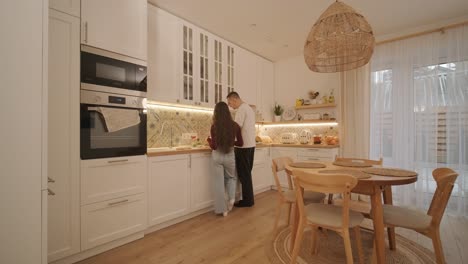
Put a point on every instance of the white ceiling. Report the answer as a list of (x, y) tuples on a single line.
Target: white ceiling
[(277, 29)]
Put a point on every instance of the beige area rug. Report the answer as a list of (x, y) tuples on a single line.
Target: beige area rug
[(331, 250)]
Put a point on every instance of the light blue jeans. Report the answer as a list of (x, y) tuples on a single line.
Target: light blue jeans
[(225, 179)]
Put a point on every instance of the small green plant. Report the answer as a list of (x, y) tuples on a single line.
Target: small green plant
[(278, 110)]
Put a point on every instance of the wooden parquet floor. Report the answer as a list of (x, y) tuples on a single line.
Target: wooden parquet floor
[(240, 238)]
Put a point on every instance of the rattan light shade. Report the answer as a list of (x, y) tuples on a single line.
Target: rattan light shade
[(340, 40)]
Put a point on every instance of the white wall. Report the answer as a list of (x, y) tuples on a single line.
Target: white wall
[(294, 80), (21, 65)]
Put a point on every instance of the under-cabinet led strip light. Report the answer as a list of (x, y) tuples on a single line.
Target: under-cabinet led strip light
[(299, 124), (180, 108)]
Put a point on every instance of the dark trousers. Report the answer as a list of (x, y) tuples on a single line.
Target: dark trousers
[(244, 165)]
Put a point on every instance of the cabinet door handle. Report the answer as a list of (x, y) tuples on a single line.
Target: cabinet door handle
[(119, 202), (311, 149), (313, 159), (50, 192), (86, 32), (115, 161), (50, 180)]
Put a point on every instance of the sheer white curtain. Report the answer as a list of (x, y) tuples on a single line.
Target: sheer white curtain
[(419, 112), (354, 114)]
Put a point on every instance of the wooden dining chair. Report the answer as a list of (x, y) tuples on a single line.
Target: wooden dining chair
[(288, 197), (427, 224), (327, 216)]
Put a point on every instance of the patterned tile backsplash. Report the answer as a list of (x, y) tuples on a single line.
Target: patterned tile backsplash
[(275, 132), (166, 127)]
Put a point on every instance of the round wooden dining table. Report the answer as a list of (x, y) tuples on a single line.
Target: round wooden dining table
[(377, 187)]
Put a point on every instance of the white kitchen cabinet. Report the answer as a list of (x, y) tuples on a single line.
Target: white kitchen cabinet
[(168, 188), (317, 154), (201, 179), (63, 135), (119, 26), (109, 178), (113, 219), (188, 63), (71, 7), (265, 88), (246, 76), (163, 56), (261, 178), (283, 152)]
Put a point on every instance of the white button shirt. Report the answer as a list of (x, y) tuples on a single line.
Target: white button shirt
[(245, 117)]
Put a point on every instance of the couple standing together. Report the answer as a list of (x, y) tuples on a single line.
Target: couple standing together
[(233, 145)]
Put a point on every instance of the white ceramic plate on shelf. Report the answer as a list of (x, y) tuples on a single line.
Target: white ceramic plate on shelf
[(289, 114)]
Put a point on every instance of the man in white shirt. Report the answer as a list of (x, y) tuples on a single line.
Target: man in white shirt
[(245, 117)]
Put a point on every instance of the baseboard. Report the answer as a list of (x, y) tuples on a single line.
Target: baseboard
[(99, 249)]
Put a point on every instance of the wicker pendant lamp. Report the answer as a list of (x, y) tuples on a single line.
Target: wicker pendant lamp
[(340, 40)]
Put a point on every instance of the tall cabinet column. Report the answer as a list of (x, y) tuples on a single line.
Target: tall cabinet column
[(63, 135)]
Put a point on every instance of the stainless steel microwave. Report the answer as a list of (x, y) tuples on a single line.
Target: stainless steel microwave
[(110, 72)]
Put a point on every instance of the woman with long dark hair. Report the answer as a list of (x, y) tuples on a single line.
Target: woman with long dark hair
[(225, 133)]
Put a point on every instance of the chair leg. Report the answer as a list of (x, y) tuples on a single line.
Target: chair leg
[(314, 234), (357, 233), (278, 214), (330, 198), (347, 245), (438, 250), (297, 242), (289, 213)]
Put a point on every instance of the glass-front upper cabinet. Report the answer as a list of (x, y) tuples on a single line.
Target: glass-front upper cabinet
[(218, 66), (204, 81), (230, 69), (187, 64)]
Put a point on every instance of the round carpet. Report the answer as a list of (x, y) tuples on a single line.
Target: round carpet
[(331, 250)]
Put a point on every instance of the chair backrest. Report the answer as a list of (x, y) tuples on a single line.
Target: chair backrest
[(445, 179), (365, 161), (279, 164), (330, 183)]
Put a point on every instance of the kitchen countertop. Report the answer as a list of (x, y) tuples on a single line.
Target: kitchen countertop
[(154, 152)]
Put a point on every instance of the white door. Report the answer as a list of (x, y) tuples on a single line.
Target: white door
[(71, 7), (163, 56), (168, 188), (63, 133), (201, 178), (115, 25)]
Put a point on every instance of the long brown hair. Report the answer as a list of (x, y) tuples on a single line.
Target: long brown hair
[(224, 127)]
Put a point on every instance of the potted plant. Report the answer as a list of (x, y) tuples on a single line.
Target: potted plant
[(278, 111)]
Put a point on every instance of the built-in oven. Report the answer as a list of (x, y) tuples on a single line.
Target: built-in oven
[(112, 125), (110, 72)]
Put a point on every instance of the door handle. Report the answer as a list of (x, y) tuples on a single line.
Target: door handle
[(119, 202), (50, 192), (86, 32), (116, 161), (50, 180)]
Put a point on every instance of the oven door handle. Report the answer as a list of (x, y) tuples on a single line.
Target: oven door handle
[(91, 108)]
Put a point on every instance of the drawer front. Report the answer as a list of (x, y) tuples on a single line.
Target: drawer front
[(106, 179), (106, 221), (260, 155), (302, 158), (318, 152)]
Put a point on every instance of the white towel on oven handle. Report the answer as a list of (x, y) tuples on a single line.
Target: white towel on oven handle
[(117, 118)]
